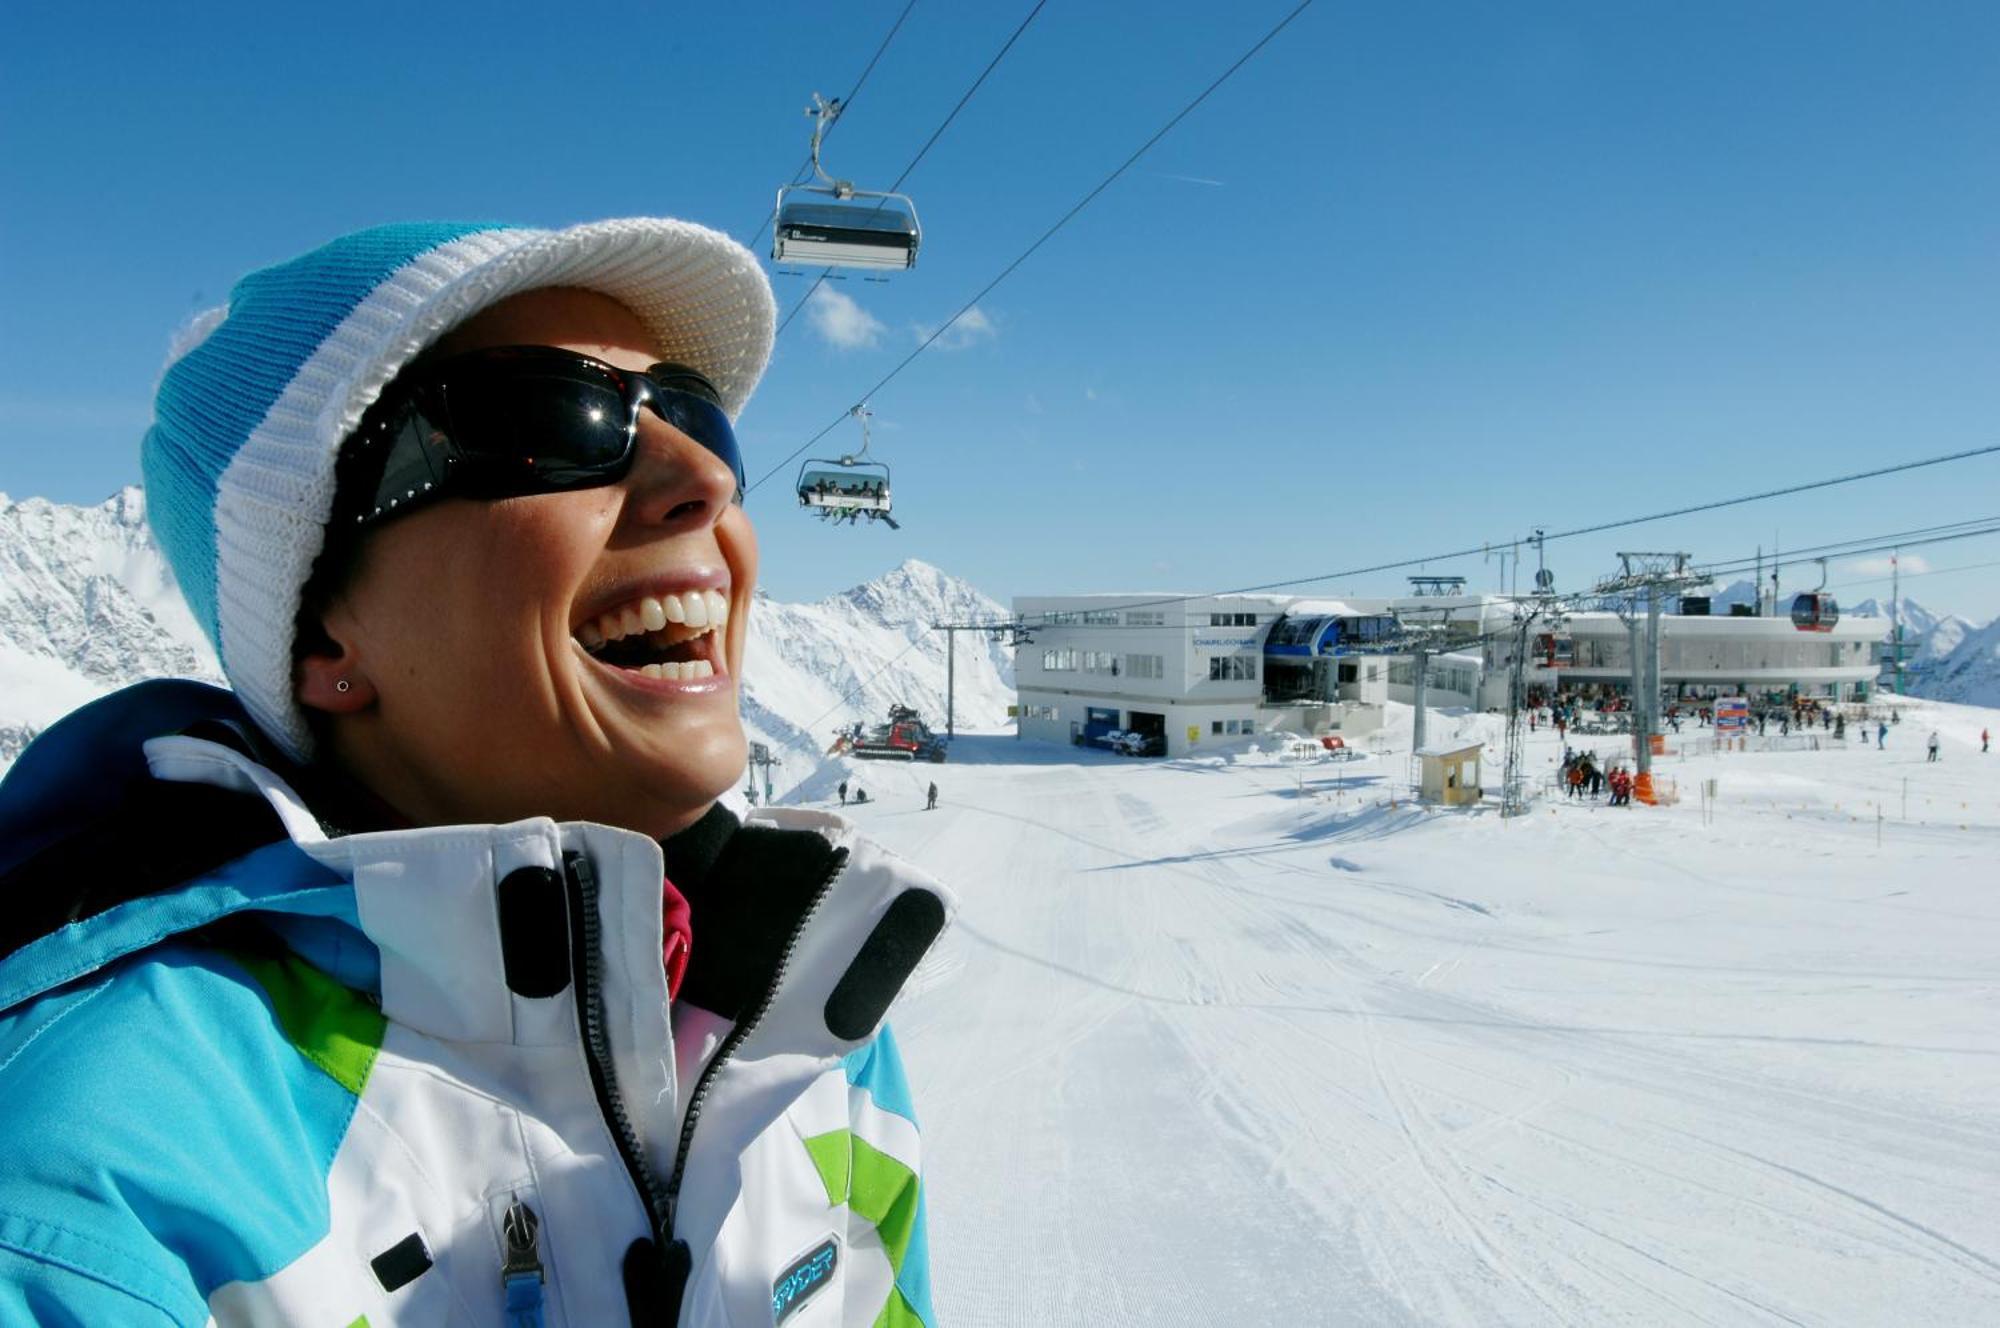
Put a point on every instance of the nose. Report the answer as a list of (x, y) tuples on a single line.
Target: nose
[(675, 484)]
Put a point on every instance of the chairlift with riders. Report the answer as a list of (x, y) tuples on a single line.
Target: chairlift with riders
[(831, 223), (850, 487)]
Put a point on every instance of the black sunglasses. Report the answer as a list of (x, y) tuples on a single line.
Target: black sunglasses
[(515, 420)]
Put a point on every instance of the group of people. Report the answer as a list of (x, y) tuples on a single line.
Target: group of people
[(1584, 777), (875, 490)]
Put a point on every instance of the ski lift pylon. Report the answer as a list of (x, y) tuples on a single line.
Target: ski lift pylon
[(830, 223), (848, 488)]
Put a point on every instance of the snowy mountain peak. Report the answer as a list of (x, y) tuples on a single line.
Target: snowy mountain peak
[(917, 592)]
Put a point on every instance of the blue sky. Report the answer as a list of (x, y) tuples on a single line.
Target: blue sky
[(1420, 276)]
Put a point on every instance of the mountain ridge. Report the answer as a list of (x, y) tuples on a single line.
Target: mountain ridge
[(88, 605)]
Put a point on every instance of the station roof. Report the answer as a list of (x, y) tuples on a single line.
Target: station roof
[(1456, 748)]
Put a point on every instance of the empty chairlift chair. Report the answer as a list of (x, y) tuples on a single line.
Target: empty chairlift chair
[(833, 224)]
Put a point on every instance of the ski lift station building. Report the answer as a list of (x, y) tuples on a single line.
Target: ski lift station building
[(1199, 671)]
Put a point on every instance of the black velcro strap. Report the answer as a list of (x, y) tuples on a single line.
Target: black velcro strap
[(534, 931), (402, 1263), (864, 992)]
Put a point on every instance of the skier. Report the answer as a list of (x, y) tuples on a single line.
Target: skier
[(1881, 734), (931, 804), (1932, 747), (1985, 741), (302, 979), (843, 793)]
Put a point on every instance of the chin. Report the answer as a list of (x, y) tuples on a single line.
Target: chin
[(686, 783)]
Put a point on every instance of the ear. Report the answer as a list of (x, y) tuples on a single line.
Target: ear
[(322, 670)]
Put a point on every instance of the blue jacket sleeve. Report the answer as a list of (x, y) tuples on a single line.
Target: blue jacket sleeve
[(40, 1291)]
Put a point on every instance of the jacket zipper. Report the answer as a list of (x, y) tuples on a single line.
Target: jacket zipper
[(521, 1275), (736, 1035), (587, 970), (587, 974)]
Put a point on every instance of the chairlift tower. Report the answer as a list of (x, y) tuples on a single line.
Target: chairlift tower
[(760, 759), (1647, 578), (1420, 639), (1017, 634), (1544, 607)]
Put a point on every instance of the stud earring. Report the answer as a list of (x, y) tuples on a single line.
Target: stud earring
[(342, 686)]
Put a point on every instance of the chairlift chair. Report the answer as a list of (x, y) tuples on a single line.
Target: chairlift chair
[(830, 223), (848, 488), (1556, 650)]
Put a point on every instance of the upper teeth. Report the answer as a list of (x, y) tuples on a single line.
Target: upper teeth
[(699, 610)]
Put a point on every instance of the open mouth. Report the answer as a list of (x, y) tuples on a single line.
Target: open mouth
[(671, 638)]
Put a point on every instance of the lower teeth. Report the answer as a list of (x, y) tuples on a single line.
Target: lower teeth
[(679, 671)]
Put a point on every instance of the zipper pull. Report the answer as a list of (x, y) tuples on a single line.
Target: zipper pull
[(521, 1275)]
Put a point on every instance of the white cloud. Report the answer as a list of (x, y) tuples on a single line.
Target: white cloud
[(844, 324), (1913, 563), (972, 327)]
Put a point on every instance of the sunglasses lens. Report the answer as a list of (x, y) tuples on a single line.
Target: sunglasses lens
[(704, 422), (565, 429)]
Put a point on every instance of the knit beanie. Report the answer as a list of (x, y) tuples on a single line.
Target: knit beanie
[(258, 396)]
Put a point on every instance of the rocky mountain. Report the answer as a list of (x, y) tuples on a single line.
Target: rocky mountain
[(1736, 592), (1946, 657), (88, 605), (1928, 637)]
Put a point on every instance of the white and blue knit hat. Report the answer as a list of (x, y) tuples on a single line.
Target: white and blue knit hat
[(258, 396)]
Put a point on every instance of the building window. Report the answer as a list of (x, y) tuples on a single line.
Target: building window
[(1060, 661), (1145, 666), (1100, 661), (1232, 620), (1099, 617), (1146, 618), (1232, 668), (1038, 712), (1215, 729)]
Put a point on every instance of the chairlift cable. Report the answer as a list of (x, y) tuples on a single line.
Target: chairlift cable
[(936, 133), (805, 167), (1860, 544), (1045, 236), (1477, 549)]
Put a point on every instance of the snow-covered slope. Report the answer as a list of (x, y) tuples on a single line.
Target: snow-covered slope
[(88, 605), (1234, 1041)]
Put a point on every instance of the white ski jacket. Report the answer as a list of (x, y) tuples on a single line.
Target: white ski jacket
[(432, 1077)]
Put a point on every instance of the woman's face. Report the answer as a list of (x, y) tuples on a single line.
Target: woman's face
[(469, 632)]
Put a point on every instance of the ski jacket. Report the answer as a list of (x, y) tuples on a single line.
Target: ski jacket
[(254, 1074)]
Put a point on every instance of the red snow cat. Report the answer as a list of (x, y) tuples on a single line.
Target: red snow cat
[(904, 738)]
